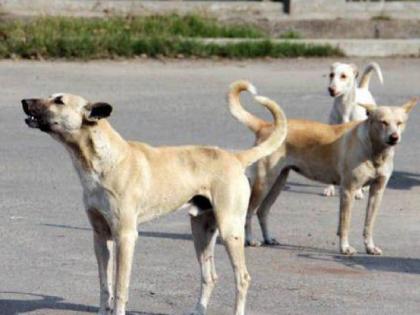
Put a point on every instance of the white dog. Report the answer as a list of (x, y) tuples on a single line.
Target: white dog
[(347, 95)]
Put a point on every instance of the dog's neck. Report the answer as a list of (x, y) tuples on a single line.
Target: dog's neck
[(378, 152), (95, 148), (350, 96)]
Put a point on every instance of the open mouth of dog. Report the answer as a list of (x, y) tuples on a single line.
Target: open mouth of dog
[(32, 121)]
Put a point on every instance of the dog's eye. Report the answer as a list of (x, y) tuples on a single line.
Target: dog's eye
[(399, 123), (59, 100), (383, 122), (343, 77), (331, 75)]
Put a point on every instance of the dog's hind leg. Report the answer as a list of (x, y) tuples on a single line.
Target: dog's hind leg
[(230, 207), (376, 192), (266, 175), (103, 245), (204, 231), (268, 202), (125, 242)]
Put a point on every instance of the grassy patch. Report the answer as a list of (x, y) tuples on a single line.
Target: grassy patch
[(291, 34), (169, 36)]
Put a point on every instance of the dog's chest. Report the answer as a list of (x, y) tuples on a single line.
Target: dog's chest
[(95, 195), (370, 171)]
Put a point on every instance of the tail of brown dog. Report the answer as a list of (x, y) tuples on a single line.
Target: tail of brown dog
[(367, 73), (277, 137)]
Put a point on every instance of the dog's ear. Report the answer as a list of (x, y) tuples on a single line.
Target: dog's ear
[(355, 70), (370, 108), (96, 111), (409, 105)]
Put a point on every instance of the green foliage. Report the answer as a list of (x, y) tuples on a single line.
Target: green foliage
[(171, 36)]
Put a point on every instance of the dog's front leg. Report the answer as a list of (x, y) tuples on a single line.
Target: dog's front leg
[(125, 243), (103, 245), (375, 197), (346, 202)]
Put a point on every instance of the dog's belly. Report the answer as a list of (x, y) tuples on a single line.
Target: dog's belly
[(319, 174)]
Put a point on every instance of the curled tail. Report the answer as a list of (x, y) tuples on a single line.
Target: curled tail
[(252, 122), (279, 133), (367, 73)]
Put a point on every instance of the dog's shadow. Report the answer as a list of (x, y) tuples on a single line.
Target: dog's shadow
[(29, 302), (404, 180), (371, 263)]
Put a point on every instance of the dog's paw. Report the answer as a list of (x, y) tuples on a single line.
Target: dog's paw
[(348, 250), (252, 243), (359, 195), (329, 191), (374, 250), (271, 242)]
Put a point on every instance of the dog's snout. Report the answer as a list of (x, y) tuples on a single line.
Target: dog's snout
[(393, 138), (25, 106), (28, 105)]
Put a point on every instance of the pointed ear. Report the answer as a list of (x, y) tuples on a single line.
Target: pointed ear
[(355, 70), (409, 105), (96, 111), (370, 108)]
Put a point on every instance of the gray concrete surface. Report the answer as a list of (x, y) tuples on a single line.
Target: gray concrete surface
[(299, 9), (47, 264)]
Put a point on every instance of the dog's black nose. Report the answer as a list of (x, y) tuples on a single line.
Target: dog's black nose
[(25, 106), (393, 138), (331, 91)]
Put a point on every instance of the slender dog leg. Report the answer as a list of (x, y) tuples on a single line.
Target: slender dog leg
[(125, 241), (375, 197), (346, 202), (103, 245), (205, 232), (259, 190), (230, 205), (268, 202)]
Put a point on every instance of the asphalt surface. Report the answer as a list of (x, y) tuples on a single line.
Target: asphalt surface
[(47, 264)]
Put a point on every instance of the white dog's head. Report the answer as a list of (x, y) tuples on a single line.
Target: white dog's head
[(342, 78), (386, 123)]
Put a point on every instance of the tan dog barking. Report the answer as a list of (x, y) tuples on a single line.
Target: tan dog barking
[(126, 183)]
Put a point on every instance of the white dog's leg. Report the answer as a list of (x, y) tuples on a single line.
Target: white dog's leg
[(103, 246), (329, 191), (125, 241), (375, 196), (346, 202)]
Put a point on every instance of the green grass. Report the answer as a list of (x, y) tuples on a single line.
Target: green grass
[(291, 34), (170, 36)]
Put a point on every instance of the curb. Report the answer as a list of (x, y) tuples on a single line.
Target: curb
[(350, 47)]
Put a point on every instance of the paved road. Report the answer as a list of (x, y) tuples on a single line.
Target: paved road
[(47, 264)]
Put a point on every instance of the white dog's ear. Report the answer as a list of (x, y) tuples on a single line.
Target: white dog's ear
[(96, 111), (409, 105), (370, 108), (355, 70)]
